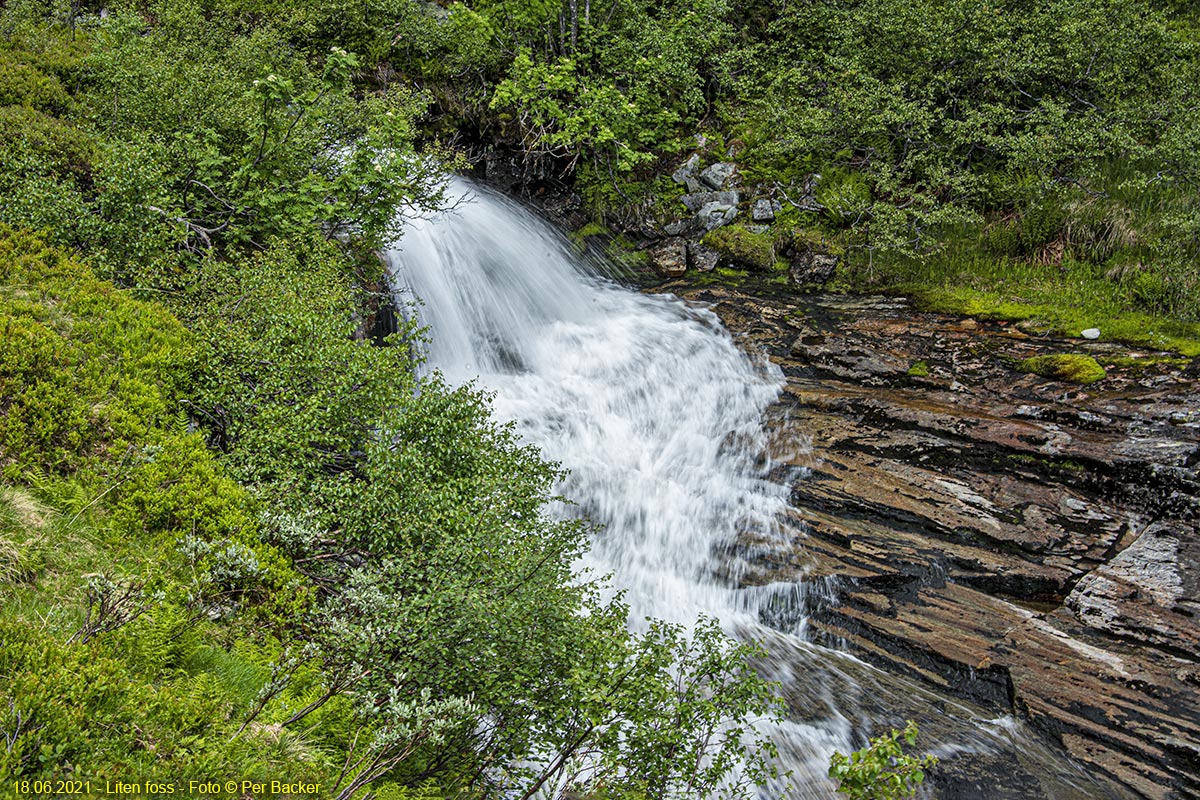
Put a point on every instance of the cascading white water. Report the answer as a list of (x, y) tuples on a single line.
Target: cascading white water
[(658, 416), (646, 400)]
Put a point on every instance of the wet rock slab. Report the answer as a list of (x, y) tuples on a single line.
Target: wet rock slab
[(1027, 544)]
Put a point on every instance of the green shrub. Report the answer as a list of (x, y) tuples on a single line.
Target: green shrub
[(85, 370), (1070, 367), (82, 712), (25, 85), (64, 149), (881, 770)]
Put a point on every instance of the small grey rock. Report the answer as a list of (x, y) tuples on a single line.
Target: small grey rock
[(718, 174), (714, 215), (683, 227), (697, 200), (686, 170), (1091, 333), (701, 258), (763, 211)]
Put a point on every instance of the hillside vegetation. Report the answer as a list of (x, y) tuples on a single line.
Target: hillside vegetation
[(1010, 157), (240, 539)]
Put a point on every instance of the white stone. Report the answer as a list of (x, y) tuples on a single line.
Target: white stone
[(1091, 333)]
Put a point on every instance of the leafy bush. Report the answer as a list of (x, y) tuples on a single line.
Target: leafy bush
[(38, 138), (881, 770), (85, 370), (23, 84)]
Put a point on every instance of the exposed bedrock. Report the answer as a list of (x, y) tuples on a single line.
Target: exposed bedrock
[(1027, 544)]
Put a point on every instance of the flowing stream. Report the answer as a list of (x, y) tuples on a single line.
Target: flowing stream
[(659, 417)]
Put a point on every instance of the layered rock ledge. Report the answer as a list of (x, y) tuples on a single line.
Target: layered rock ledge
[(1025, 543)]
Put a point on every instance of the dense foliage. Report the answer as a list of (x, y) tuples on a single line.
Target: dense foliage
[(938, 140), (240, 539)]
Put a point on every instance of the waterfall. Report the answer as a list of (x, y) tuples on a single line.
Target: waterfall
[(658, 415), (647, 401)]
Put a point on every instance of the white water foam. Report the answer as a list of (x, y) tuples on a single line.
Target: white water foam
[(648, 401)]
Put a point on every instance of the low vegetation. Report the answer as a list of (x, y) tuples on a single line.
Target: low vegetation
[(741, 249), (882, 770)]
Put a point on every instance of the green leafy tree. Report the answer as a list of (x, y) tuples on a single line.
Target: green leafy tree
[(424, 526)]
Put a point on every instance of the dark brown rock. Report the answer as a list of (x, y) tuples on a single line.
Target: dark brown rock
[(1019, 542), (812, 268)]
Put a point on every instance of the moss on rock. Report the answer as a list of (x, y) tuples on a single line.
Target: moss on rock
[(1070, 367), (741, 248)]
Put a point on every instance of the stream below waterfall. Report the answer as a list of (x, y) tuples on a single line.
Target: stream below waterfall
[(659, 416)]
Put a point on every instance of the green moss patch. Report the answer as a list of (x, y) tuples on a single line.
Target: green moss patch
[(1069, 367), (739, 247), (1139, 365), (919, 370)]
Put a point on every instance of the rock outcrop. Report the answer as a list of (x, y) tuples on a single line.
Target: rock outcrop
[(712, 201), (1027, 544)]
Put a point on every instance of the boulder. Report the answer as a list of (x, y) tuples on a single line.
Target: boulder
[(715, 214), (701, 258), (810, 267), (670, 257), (740, 248), (763, 210), (684, 227), (696, 200)]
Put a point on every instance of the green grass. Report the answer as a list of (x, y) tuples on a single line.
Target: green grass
[(1038, 304), (1140, 364), (1063, 299)]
